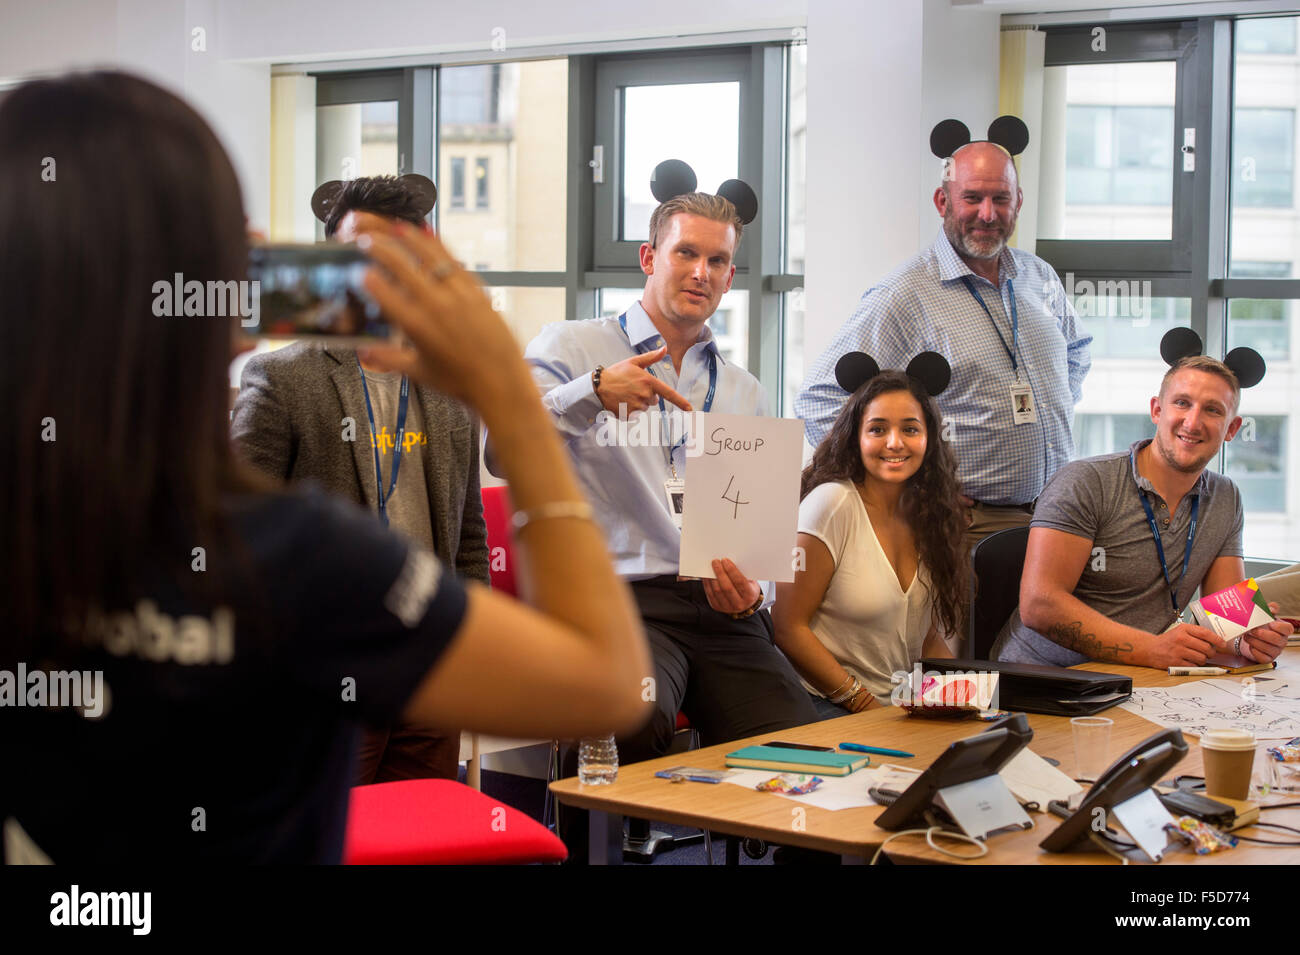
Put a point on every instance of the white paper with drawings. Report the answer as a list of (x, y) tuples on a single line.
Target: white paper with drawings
[(742, 495), (1204, 705), (1277, 688)]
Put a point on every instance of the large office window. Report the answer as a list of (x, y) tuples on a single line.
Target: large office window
[(501, 141), (653, 131), (1264, 140), (1261, 294), (512, 148), (746, 120), (1113, 193), (1119, 178)]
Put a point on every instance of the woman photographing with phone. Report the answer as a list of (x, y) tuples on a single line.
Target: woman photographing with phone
[(243, 631), (881, 530)]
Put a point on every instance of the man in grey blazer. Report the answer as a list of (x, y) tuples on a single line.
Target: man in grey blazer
[(306, 412)]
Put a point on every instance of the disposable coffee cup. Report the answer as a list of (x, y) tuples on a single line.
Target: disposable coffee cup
[(1229, 757)]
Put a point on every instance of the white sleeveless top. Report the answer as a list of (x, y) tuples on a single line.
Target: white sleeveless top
[(866, 620)]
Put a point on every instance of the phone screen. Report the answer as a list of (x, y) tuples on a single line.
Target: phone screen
[(313, 291)]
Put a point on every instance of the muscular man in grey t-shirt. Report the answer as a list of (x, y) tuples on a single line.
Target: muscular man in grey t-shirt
[(1093, 587)]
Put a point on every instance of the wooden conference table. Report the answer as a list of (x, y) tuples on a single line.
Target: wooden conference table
[(852, 833)]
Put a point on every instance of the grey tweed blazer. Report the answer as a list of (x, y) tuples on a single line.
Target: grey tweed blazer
[(288, 422)]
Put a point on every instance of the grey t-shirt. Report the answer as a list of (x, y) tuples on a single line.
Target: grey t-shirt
[(408, 508), (1097, 498)]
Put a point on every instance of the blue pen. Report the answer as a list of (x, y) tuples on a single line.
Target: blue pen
[(859, 748)]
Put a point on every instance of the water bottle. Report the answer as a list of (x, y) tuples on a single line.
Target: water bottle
[(598, 760)]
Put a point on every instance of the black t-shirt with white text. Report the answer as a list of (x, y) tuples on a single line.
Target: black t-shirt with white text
[(230, 734)]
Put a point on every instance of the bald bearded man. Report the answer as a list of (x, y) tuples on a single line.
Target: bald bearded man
[(1001, 318)]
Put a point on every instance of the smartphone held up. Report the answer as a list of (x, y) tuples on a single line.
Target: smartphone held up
[(314, 292)]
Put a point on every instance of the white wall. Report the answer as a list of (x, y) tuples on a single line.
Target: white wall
[(289, 30), (153, 38), (881, 73)]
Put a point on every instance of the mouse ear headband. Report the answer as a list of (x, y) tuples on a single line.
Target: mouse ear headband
[(1246, 363), (950, 135), (930, 368), (673, 178), (420, 187)]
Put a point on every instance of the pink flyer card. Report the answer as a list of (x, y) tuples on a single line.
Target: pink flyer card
[(1233, 610)]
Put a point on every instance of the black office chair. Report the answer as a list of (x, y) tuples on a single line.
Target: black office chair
[(997, 563)]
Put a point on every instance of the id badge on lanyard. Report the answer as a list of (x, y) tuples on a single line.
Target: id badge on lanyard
[(675, 491), (1021, 392)]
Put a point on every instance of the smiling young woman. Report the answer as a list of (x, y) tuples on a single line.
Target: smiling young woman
[(881, 530)]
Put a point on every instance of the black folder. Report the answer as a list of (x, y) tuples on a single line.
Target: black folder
[(1056, 691)]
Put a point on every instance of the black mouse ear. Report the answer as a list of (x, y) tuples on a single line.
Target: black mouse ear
[(853, 370), (1179, 343), (932, 370), (742, 197), (1009, 132), (672, 177), (947, 137), (323, 199), (422, 188), (1247, 364)]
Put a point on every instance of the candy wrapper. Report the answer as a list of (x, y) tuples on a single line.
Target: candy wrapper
[(1287, 752), (946, 694), (792, 784), (1203, 838)]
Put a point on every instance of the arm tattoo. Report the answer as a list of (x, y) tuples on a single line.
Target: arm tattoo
[(1072, 637)]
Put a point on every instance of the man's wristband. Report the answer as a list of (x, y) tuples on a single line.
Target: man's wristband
[(753, 608), (595, 378)]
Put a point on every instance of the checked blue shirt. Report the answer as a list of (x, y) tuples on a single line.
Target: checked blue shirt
[(926, 306)]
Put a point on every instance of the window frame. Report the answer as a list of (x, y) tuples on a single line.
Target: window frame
[(1206, 90), (1137, 43), (594, 260)]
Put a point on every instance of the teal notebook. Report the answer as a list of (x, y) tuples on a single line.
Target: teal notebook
[(785, 760)]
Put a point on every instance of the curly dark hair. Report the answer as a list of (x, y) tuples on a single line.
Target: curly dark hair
[(930, 498), (382, 195)]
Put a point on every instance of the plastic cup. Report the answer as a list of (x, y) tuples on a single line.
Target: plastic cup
[(1229, 758), (1091, 745)]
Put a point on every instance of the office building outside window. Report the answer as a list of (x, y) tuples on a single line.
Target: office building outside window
[(1114, 173)]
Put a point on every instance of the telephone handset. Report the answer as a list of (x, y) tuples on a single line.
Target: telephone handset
[(975, 757), (1136, 770)]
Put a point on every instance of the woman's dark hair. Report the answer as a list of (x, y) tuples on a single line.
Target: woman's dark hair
[(930, 497), (382, 195), (116, 417)]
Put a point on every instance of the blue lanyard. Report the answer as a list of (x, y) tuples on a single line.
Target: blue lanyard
[(663, 410), (384, 497), (1160, 547), (1015, 321)]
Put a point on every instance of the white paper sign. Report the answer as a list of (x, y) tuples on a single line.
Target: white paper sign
[(742, 495)]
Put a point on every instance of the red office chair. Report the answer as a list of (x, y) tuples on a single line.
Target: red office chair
[(441, 822), (496, 515)]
